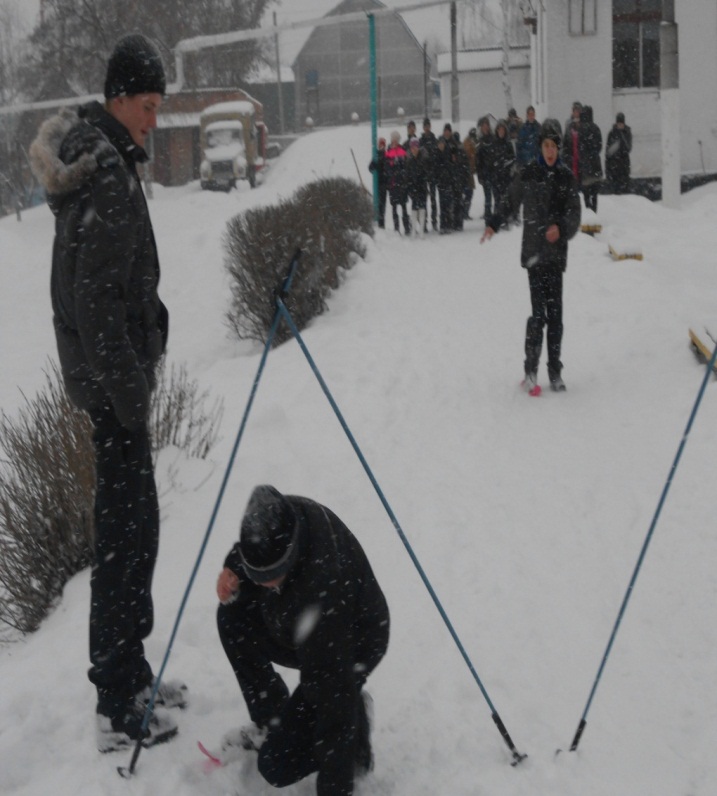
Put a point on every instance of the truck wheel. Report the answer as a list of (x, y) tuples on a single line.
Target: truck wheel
[(252, 177)]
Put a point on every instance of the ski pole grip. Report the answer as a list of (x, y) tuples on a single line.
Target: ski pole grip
[(282, 291)]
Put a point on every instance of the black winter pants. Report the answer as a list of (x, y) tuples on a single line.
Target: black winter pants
[(546, 298), (434, 203), (382, 192), (445, 196), (590, 194), (404, 216), (288, 753), (126, 543)]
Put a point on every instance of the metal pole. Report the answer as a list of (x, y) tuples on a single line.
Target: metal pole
[(505, 61), (661, 502), (374, 104), (279, 90), (426, 79), (670, 106), (455, 113), (127, 772), (517, 756)]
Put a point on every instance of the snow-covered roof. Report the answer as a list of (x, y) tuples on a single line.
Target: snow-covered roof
[(168, 121), (225, 124), (237, 106)]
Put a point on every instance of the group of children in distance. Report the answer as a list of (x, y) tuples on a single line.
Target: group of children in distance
[(442, 171), (422, 169)]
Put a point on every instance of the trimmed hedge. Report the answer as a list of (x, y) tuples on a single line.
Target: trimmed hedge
[(326, 220)]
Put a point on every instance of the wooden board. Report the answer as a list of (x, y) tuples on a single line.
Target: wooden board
[(701, 349), (626, 255)]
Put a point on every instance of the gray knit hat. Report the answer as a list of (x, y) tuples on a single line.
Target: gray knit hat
[(269, 537)]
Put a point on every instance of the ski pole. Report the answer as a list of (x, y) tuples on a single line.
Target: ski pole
[(285, 287), (643, 551), (517, 757)]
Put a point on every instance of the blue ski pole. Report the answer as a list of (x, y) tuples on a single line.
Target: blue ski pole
[(517, 757), (285, 287), (658, 510)]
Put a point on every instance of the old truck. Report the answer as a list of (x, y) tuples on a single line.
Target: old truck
[(233, 145)]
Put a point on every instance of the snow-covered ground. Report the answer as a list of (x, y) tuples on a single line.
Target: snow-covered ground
[(527, 514)]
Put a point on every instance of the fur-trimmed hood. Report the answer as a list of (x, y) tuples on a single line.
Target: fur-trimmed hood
[(72, 145), (56, 176)]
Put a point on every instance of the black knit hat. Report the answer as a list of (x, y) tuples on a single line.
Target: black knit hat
[(269, 537), (551, 129), (135, 67)]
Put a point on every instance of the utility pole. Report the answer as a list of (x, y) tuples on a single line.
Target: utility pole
[(426, 81), (374, 104), (505, 62), (455, 111), (279, 90), (670, 106)]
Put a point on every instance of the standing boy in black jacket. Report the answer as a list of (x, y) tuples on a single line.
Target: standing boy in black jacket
[(111, 330), (551, 217)]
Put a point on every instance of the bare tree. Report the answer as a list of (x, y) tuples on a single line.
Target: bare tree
[(482, 23), (12, 187), (71, 44)]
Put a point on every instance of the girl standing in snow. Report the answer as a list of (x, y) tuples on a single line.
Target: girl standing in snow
[(396, 178)]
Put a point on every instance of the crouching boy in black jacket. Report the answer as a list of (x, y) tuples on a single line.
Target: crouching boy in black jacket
[(297, 590)]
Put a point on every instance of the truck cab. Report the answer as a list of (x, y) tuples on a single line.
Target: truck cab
[(233, 145)]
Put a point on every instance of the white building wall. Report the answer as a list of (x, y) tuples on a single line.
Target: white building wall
[(480, 83), (578, 67), (569, 67), (697, 21)]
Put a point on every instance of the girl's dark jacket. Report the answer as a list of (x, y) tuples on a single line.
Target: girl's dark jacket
[(617, 154), (549, 195), (501, 160), (331, 581), (589, 148), (110, 324), (378, 164), (417, 170)]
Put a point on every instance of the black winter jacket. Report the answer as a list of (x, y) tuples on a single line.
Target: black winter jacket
[(332, 580), (417, 178), (589, 148), (617, 155), (501, 159), (110, 324), (549, 196)]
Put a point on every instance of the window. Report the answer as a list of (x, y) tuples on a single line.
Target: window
[(582, 17), (636, 43)]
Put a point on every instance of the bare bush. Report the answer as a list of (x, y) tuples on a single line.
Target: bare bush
[(47, 486), (178, 415), (325, 220)]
